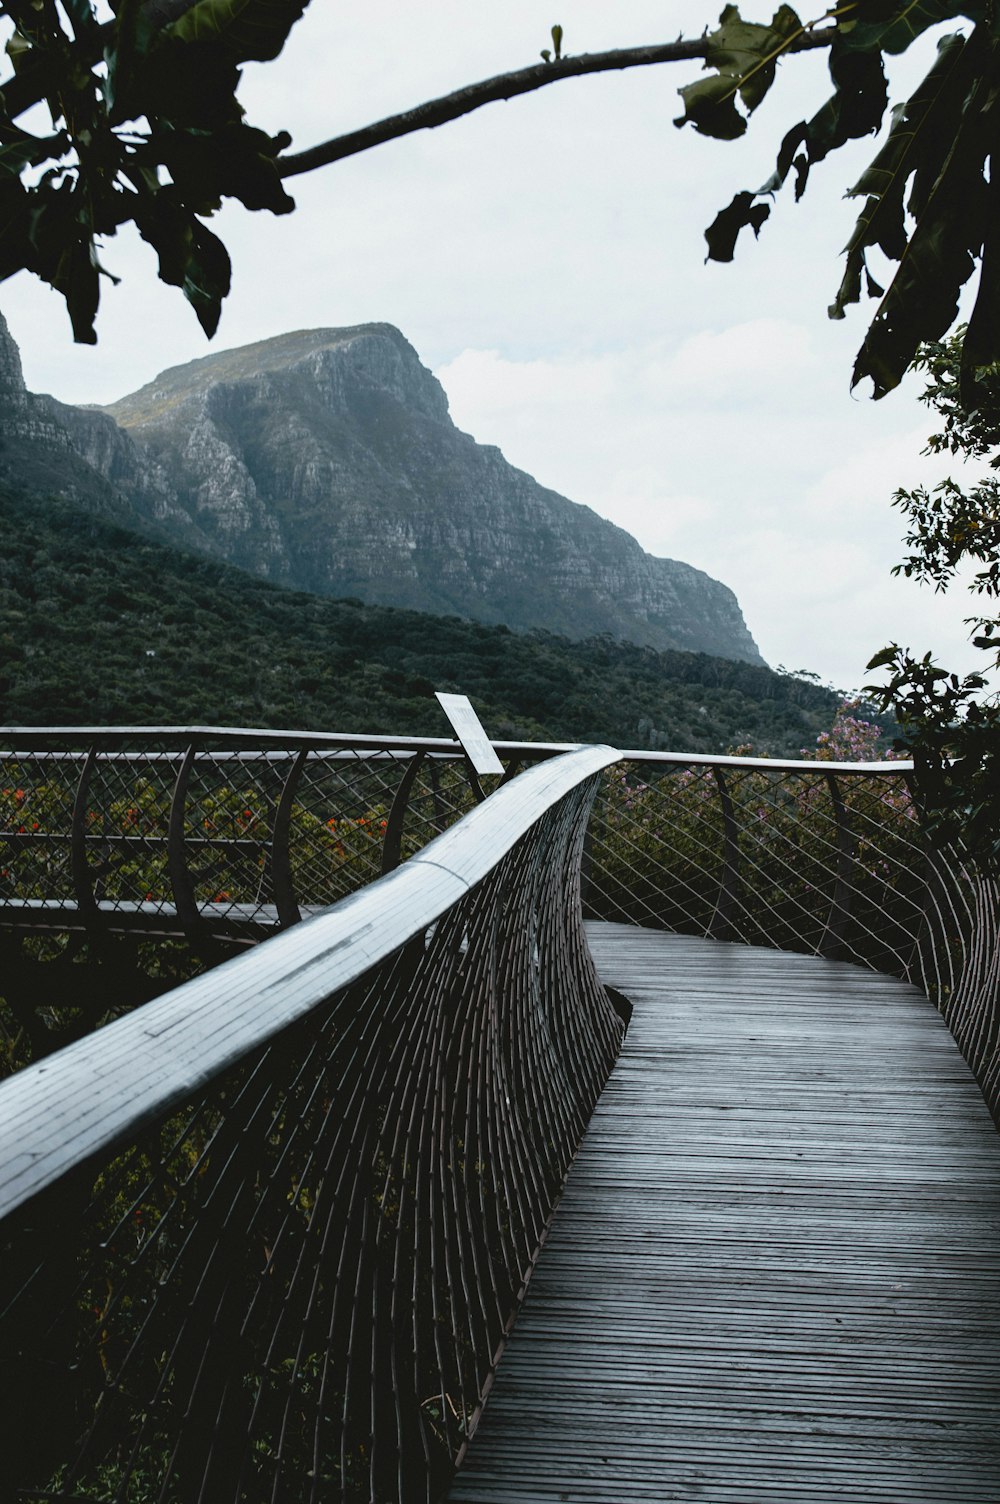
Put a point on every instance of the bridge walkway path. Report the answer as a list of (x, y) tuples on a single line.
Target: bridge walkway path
[(775, 1271)]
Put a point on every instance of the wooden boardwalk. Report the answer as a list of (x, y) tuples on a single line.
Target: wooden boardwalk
[(775, 1271)]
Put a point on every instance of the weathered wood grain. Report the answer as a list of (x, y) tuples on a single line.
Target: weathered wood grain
[(775, 1270)]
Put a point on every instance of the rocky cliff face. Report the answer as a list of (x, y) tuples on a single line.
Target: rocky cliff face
[(326, 459), (78, 453)]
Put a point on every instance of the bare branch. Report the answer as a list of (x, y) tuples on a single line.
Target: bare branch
[(508, 86)]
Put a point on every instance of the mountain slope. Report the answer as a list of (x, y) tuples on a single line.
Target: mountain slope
[(101, 625), (326, 460)]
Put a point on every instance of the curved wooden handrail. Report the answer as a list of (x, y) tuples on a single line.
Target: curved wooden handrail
[(86, 1098)]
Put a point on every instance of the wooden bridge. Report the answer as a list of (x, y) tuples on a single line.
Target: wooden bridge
[(774, 1272), (268, 1234)]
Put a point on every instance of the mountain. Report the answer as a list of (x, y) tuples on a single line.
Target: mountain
[(326, 460), (78, 453), (101, 625)]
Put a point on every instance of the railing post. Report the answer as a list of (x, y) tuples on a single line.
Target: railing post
[(83, 885), (474, 784), (722, 925), (180, 877), (281, 857), (832, 942), (437, 803), (511, 771), (392, 845)]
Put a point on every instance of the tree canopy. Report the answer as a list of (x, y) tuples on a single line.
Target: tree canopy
[(951, 729), (146, 127)]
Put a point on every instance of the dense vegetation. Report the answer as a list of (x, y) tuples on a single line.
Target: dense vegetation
[(951, 724), (99, 625)]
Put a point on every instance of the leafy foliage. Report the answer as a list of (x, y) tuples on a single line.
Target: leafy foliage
[(146, 128), (930, 199), (949, 726), (744, 56)]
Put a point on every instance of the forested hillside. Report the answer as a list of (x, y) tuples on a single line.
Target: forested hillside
[(100, 625)]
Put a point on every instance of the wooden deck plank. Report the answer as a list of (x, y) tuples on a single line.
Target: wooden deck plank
[(775, 1271)]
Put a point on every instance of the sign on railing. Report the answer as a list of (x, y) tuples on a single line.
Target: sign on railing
[(470, 731)]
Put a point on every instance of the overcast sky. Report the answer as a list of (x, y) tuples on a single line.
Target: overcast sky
[(545, 258)]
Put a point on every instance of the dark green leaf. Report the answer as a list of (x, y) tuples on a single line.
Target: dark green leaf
[(722, 233), (190, 256), (18, 150), (710, 106), (81, 14), (793, 140), (933, 106), (922, 301), (245, 30), (855, 108), (78, 279), (236, 161), (187, 86), (870, 27), (131, 36), (743, 55), (14, 227), (849, 290), (981, 346), (883, 657)]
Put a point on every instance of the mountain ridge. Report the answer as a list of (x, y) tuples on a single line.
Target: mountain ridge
[(326, 460)]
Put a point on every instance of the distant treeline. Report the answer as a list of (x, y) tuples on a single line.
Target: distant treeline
[(100, 625)]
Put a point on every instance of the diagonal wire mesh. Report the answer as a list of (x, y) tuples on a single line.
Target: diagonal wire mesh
[(816, 857), (222, 837), (797, 857), (211, 835), (289, 1279), (132, 858), (37, 794)]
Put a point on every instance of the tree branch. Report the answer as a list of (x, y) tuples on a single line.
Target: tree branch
[(508, 86)]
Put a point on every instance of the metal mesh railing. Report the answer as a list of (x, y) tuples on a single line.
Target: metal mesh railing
[(959, 949), (804, 856), (131, 858), (818, 857), (212, 834), (263, 1238), (223, 836)]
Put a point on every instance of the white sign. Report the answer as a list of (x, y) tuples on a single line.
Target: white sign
[(471, 733)]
